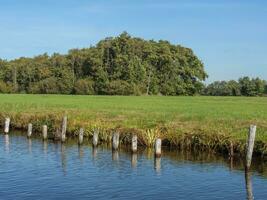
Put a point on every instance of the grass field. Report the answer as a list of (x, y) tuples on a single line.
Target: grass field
[(213, 116)]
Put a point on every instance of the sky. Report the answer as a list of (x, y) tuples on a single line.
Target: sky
[(230, 37)]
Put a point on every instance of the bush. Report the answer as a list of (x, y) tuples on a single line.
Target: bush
[(119, 87), (5, 88), (84, 86)]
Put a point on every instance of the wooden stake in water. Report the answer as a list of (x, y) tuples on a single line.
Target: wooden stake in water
[(29, 133), (44, 131), (95, 138), (250, 145), (115, 140), (158, 147), (134, 143), (81, 136), (64, 129), (7, 124)]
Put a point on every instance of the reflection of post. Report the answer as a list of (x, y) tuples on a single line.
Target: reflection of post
[(248, 185), (30, 145), (45, 146), (157, 164), (115, 155), (231, 163), (7, 143), (63, 158), (81, 153), (134, 160), (94, 152)]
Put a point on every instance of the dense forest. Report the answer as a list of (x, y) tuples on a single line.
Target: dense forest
[(122, 65)]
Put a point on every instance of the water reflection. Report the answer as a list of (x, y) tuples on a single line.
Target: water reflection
[(94, 152), (30, 145), (249, 185), (157, 164), (45, 147), (63, 158), (81, 153), (134, 160), (115, 155), (144, 160), (6, 143)]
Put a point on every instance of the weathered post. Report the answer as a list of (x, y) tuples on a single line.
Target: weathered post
[(44, 131), (95, 138), (158, 147), (250, 145), (64, 129), (7, 124), (134, 143), (81, 136), (29, 133), (115, 141)]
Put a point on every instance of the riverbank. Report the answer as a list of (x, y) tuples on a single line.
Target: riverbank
[(193, 122)]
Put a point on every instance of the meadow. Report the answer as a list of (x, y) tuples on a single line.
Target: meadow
[(200, 120)]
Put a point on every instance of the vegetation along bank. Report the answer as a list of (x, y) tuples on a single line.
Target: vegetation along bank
[(199, 122)]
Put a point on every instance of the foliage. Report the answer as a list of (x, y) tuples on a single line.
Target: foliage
[(245, 86), (122, 65)]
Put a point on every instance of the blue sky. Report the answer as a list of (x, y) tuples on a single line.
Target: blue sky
[(230, 37)]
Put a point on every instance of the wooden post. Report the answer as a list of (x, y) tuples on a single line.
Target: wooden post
[(158, 147), (81, 136), (29, 133), (7, 124), (115, 141), (134, 143), (95, 138), (44, 131), (250, 145), (64, 129)]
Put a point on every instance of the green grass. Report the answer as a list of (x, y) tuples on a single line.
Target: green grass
[(228, 116)]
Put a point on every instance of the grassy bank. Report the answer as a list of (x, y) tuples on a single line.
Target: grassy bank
[(203, 122)]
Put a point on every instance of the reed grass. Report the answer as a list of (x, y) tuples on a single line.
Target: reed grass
[(191, 122)]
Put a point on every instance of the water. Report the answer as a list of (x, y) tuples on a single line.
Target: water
[(33, 169)]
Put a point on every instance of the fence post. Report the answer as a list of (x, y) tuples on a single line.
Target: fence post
[(29, 133), (44, 131), (250, 145), (64, 129), (158, 147), (7, 124), (95, 138), (115, 141), (134, 143), (81, 136)]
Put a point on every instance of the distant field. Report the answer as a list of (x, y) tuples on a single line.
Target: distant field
[(220, 115)]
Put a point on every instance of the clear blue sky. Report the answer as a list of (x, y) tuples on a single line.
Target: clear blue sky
[(229, 36)]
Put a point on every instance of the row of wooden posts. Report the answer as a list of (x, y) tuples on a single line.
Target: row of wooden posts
[(116, 139), (115, 136)]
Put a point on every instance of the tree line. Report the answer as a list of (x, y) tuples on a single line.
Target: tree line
[(122, 65), (245, 86)]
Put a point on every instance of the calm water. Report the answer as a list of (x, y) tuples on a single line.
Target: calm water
[(32, 169)]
